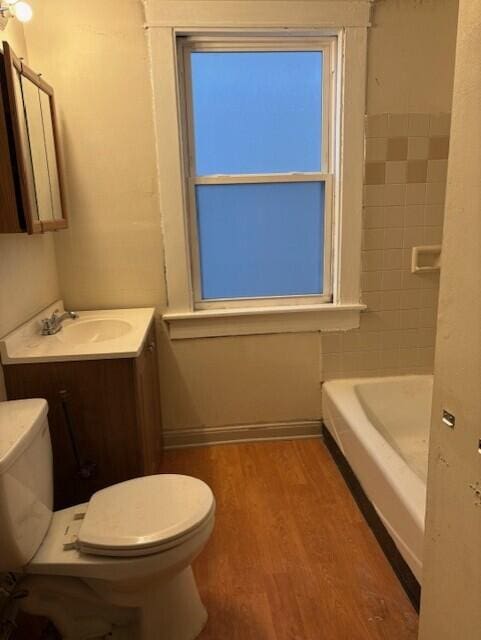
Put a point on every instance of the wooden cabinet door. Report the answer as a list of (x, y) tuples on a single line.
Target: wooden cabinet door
[(148, 405), (101, 404)]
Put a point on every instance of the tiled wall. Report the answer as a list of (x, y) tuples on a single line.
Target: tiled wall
[(405, 181)]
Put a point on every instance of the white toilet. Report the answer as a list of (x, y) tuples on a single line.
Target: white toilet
[(119, 565)]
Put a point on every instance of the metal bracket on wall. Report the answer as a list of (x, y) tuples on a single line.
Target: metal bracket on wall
[(449, 419)]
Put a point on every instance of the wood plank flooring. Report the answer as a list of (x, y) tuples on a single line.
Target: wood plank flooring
[(291, 557)]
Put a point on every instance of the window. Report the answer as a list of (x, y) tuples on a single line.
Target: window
[(258, 147), (259, 113)]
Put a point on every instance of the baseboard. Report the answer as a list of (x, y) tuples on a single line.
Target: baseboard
[(177, 438)]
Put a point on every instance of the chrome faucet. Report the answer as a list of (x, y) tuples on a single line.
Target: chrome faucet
[(52, 325)]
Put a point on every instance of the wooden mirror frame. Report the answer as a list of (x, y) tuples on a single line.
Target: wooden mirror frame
[(13, 65)]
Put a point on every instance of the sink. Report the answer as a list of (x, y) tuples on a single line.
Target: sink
[(93, 330), (93, 335)]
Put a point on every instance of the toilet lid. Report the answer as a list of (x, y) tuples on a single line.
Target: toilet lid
[(144, 513)]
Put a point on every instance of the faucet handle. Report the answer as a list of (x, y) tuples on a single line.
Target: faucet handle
[(47, 324)]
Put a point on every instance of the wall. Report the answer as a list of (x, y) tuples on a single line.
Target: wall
[(450, 606), (410, 69), (28, 274), (95, 54)]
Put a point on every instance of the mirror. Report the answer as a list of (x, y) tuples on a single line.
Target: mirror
[(38, 155), (32, 111)]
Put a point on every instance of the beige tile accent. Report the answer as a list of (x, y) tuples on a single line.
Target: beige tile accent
[(331, 343), (371, 280), (409, 357), (331, 364), (398, 331), (437, 170), (417, 171), (435, 192), (389, 319), (373, 217), (410, 319), (393, 238), (397, 148), (393, 217), (393, 259), (396, 172), (409, 338), (394, 194), (413, 236), (429, 298), (372, 260), (415, 193), (440, 124), (418, 148), (438, 148), (351, 340), (369, 340), (406, 259), (372, 299), (390, 300), (433, 235), (418, 124), (398, 124), (376, 149), (377, 126), (390, 359), (433, 215), (410, 299), (375, 173), (391, 280), (411, 280), (426, 358), (414, 215), (390, 339), (427, 337), (373, 195), (372, 239), (427, 318)]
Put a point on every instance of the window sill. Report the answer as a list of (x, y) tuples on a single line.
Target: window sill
[(260, 320)]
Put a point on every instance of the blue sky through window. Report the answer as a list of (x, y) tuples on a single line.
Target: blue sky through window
[(261, 239), (257, 112)]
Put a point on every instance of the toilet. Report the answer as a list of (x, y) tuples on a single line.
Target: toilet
[(118, 566)]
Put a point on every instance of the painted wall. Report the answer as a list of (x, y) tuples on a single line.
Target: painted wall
[(411, 56), (95, 54), (452, 573), (28, 273)]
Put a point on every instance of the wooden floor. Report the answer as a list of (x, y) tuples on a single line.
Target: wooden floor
[(291, 557)]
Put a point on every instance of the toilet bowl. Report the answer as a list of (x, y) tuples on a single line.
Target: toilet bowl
[(119, 565)]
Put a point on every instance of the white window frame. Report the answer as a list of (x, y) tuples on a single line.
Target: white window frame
[(221, 20), (189, 45)]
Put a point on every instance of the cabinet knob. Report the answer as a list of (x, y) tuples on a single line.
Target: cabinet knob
[(151, 346)]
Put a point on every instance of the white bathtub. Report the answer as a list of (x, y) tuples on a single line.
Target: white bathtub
[(381, 426)]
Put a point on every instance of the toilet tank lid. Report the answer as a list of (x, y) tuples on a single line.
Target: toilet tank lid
[(20, 421)]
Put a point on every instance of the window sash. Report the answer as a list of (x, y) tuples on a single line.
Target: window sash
[(327, 46)]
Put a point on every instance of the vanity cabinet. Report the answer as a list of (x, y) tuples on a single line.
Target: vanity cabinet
[(31, 194), (113, 407)]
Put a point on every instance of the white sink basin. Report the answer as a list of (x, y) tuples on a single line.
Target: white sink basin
[(93, 330), (93, 335)]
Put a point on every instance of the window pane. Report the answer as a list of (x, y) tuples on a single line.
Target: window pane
[(257, 112), (261, 239)]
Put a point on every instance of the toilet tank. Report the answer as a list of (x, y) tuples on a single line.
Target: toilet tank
[(26, 481)]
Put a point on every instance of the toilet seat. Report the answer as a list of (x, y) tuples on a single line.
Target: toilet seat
[(144, 516)]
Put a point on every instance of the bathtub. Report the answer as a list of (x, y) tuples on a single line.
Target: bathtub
[(381, 425)]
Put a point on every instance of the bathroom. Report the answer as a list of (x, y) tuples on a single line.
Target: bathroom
[(313, 537)]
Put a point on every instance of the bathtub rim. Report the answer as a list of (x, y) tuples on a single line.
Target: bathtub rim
[(407, 487)]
